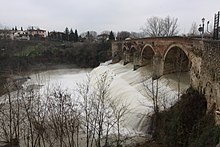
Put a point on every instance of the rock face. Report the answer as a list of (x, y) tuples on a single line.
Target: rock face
[(201, 56)]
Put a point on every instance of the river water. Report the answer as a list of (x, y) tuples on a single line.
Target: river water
[(128, 86), (66, 79), (133, 88)]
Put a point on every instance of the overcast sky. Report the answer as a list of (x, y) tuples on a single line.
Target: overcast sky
[(100, 15)]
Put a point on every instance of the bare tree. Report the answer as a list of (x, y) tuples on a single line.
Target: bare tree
[(170, 26), (55, 119), (96, 107), (58, 115), (119, 112), (193, 30), (137, 35), (28, 101), (85, 95), (101, 115), (159, 27), (123, 35), (153, 27), (160, 100), (11, 117), (89, 35)]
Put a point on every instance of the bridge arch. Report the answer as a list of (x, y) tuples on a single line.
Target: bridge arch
[(128, 53), (176, 59), (124, 48), (147, 54)]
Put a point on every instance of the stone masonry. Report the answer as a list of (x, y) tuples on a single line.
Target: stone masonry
[(200, 57)]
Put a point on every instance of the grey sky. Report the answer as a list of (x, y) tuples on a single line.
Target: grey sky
[(100, 15)]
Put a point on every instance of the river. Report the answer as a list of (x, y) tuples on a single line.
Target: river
[(129, 86), (133, 88)]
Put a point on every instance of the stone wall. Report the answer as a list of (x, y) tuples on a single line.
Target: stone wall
[(210, 75)]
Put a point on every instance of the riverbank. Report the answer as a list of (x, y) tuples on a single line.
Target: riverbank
[(13, 80)]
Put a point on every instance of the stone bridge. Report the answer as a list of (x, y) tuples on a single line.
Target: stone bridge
[(177, 54)]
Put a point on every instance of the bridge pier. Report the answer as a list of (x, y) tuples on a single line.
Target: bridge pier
[(136, 61), (126, 57), (117, 53), (157, 66)]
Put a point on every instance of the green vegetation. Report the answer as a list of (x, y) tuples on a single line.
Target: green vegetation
[(187, 123), (21, 55), (111, 36)]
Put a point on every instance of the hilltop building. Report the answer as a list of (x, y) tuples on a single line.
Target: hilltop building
[(36, 33), (15, 34), (103, 37), (58, 36)]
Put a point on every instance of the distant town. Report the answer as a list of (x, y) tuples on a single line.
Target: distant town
[(20, 34), (36, 33)]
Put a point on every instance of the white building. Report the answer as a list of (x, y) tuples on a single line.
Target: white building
[(6, 34), (20, 35)]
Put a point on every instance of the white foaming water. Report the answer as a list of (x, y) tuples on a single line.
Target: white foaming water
[(130, 87)]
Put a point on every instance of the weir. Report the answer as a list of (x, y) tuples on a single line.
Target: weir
[(134, 88)]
